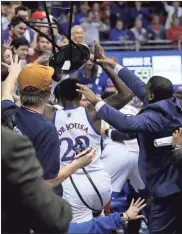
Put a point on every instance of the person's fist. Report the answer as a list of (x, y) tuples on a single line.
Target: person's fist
[(177, 137), (98, 51)]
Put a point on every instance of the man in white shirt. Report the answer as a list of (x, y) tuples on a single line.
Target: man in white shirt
[(174, 10), (91, 29)]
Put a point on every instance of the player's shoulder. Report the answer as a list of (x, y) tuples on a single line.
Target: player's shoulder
[(79, 109)]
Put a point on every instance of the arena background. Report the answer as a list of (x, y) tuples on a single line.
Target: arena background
[(146, 58)]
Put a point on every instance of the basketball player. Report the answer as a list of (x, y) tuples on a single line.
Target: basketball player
[(73, 123)]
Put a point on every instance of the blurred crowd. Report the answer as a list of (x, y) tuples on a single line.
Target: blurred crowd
[(99, 21), (115, 21)]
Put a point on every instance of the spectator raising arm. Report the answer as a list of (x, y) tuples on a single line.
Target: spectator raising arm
[(9, 84)]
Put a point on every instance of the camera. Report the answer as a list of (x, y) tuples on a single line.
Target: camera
[(79, 146)]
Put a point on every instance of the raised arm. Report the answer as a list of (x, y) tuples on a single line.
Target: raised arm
[(167, 7), (148, 121), (134, 83), (124, 94), (9, 83)]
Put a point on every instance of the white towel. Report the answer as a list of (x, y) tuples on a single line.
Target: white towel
[(166, 141)]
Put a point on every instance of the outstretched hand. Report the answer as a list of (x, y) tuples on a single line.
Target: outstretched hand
[(134, 209), (84, 158), (90, 96), (99, 52), (177, 137), (15, 66), (7, 44)]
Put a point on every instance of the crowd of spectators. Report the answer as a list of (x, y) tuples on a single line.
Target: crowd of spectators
[(115, 21), (99, 21)]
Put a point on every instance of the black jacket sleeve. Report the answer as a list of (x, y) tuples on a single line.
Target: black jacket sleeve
[(25, 193), (121, 136), (177, 158)]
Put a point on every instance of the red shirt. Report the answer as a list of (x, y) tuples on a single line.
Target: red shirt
[(32, 58), (174, 33)]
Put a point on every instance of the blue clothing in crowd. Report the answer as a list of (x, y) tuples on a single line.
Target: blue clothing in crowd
[(43, 136), (143, 14), (6, 36), (117, 35), (98, 226), (80, 18), (152, 34), (120, 12), (65, 26), (140, 35), (97, 84)]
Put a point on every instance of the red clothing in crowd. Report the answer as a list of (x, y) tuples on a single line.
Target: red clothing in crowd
[(174, 33), (32, 58)]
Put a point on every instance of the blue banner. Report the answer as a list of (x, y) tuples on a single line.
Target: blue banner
[(145, 64)]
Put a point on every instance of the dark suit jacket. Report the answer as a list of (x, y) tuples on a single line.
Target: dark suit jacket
[(177, 158), (27, 201), (121, 136), (154, 121)]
